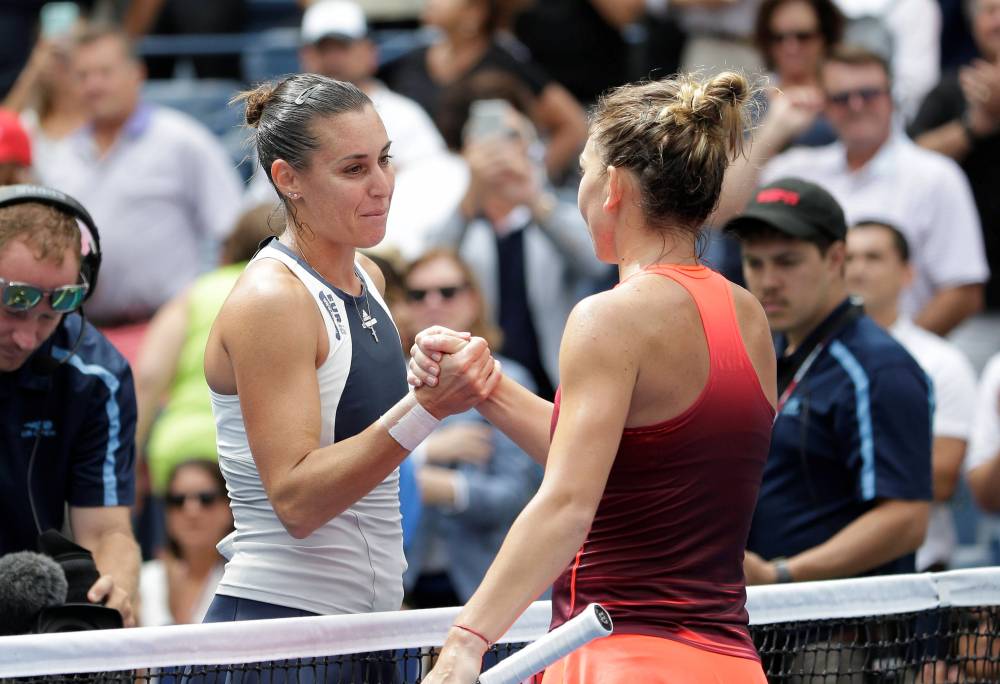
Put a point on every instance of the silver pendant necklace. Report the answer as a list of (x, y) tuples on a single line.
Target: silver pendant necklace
[(367, 320)]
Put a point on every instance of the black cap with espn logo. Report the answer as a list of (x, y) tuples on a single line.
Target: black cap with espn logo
[(798, 208)]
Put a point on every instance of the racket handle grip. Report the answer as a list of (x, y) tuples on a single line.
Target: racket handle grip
[(592, 623)]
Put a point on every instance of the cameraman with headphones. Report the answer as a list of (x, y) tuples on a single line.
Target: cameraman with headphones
[(67, 401)]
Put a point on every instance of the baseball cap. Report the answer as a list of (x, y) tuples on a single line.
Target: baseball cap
[(339, 19), (15, 146), (795, 207)]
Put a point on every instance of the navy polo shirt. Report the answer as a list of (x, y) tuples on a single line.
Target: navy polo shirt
[(82, 415), (856, 430)]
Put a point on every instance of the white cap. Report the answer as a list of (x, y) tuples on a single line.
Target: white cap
[(338, 19)]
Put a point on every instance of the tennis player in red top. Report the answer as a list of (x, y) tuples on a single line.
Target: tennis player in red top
[(654, 448)]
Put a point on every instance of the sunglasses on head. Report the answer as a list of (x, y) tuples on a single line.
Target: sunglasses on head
[(24, 296), (416, 294), (867, 96), (204, 498), (797, 36)]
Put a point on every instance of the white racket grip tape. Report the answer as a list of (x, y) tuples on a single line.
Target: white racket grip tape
[(593, 623)]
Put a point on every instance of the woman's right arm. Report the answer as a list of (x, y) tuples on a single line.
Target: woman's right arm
[(271, 335), (519, 413)]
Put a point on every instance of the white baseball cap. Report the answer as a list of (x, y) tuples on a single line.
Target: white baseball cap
[(339, 19)]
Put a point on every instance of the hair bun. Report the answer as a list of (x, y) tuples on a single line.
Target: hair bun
[(256, 100)]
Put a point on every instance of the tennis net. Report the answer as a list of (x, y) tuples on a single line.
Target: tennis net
[(939, 628)]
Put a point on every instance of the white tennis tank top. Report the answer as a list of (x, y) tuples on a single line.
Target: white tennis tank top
[(354, 563)]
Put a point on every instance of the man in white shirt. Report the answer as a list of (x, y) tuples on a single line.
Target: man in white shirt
[(878, 269), (429, 182), (874, 170), (159, 184)]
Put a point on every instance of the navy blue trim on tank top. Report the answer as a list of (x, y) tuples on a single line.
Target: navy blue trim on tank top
[(377, 378)]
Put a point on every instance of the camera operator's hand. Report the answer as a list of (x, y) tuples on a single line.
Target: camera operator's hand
[(113, 596)]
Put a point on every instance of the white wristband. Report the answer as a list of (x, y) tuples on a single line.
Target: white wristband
[(413, 428)]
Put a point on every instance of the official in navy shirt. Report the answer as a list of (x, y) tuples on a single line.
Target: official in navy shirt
[(846, 489), (67, 402)]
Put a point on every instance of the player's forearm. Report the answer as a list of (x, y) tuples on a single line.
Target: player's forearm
[(883, 534), (522, 415), (552, 521)]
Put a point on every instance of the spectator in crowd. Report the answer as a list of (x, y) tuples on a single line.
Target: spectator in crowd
[(468, 45), (66, 396), (529, 246), (580, 42), (847, 482), (178, 587), (159, 183), (983, 463), (47, 96), (718, 34), (170, 369), (961, 119), (794, 37), (473, 479), (15, 150), (875, 170), (171, 17), (335, 43), (878, 268), (907, 35)]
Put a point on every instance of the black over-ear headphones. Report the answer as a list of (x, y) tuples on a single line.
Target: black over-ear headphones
[(90, 264)]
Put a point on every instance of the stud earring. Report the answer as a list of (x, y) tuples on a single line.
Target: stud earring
[(293, 195)]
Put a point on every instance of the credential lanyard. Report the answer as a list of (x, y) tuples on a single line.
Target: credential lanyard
[(852, 313)]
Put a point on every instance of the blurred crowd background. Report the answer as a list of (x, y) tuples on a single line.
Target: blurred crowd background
[(125, 105)]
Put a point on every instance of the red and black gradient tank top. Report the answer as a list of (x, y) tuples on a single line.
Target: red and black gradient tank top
[(664, 554)]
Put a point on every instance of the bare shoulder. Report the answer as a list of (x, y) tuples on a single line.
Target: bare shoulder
[(373, 271), (268, 299), (603, 322), (756, 338)]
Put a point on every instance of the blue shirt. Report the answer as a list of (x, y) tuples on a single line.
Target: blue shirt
[(82, 415), (856, 430)]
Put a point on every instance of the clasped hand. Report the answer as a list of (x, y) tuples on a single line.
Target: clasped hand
[(451, 371)]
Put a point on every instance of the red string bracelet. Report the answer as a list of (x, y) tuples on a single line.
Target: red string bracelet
[(472, 631)]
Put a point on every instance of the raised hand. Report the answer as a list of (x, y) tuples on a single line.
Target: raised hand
[(467, 377)]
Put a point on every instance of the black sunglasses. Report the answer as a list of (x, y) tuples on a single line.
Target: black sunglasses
[(416, 294), (24, 296), (797, 36), (867, 95), (206, 499)]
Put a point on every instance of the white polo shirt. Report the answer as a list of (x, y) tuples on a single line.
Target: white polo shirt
[(162, 191), (985, 441), (922, 193), (954, 383)]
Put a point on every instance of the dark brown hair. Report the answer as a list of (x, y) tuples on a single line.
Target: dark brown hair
[(828, 16), (252, 226), (210, 468), (899, 241), (678, 136), (490, 84)]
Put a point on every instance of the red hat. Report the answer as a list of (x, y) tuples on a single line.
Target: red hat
[(15, 146)]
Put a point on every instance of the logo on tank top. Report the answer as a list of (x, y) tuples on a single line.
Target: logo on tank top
[(330, 304)]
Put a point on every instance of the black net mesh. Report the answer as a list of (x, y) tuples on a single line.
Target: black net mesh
[(939, 646)]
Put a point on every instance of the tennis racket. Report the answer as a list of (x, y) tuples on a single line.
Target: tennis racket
[(593, 623)]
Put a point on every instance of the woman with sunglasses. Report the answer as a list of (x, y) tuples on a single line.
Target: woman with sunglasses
[(178, 587), (67, 401), (473, 479), (657, 439), (794, 37)]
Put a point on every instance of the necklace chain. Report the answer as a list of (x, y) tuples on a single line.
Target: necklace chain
[(367, 320)]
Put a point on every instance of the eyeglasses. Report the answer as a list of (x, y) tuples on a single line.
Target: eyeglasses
[(24, 296), (797, 36), (866, 95), (206, 499), (415, 294)]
